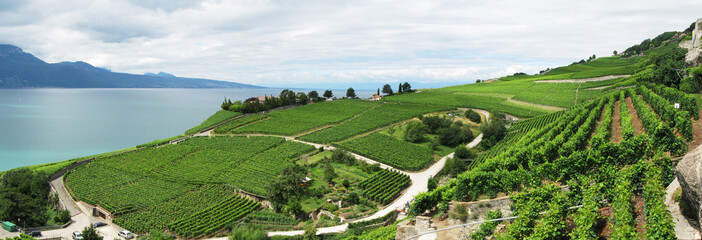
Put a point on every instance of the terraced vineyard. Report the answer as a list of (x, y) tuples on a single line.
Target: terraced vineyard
[(377, 117), (299, 119), (150, 188), (268, 220), (229, 126), (214, 218), (576, 149), (389, 150), (384, 186)]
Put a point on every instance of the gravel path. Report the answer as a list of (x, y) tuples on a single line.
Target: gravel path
[(582, 80)]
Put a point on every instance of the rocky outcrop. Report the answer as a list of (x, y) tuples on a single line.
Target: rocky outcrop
[(694, 47), (689, 173)]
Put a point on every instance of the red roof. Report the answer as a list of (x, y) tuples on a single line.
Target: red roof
[(376, 96)]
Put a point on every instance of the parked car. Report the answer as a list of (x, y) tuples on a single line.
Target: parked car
[(77, 235), (126, 234), (99, 224), (34, 233)]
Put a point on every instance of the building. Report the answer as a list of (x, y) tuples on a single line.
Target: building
[(376, 97)]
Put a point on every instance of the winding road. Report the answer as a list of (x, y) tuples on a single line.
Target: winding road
[(81, 215)]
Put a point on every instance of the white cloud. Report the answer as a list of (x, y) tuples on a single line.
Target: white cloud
[(330, 43)]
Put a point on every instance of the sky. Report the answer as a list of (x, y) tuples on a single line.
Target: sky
[(335, 44)]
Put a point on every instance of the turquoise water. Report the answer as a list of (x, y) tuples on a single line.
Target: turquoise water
[(48, 125)]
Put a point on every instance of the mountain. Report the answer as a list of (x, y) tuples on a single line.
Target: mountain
[(19, 69)]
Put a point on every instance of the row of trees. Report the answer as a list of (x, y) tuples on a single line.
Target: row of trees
[(402, 88), (24, 197)]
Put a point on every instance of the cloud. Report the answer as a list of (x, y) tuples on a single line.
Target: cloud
[(335, 43)]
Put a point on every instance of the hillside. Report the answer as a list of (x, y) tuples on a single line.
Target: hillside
[(594, 160), (19, 69)]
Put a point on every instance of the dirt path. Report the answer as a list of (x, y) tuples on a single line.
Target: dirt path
[(582, 80), (638, 126), (616, 123), (536, 105), (697, 131), (576, 94)]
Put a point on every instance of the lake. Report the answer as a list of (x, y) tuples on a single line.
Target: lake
[(48, 125)]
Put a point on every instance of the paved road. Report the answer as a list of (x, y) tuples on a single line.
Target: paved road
[(419, 184)]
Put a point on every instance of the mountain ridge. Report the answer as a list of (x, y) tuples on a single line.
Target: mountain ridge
[(19, 69)]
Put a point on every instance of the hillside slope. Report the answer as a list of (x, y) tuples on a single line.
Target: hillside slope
[(19, 69)]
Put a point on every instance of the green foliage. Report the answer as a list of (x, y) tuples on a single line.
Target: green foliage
[(586, 218), (328, 94), (486, 228), (463, 152), (310, 230), (382, 115), (89, 233), (667, 62), (384, 186), (218, 117), (659, 222), (329, 173), (269, 220), (159, 142), (303, 118), (391, 151), (350, 93), (247, 233), (493, 132), (415, 132), (24, 196), (454, 166), (214, 218), (623, 220), (473, 116), (693, 83), (236, 123), (286, 186), (625, 119), (63, 216), (387, 90), (434, 123), (450, 136)]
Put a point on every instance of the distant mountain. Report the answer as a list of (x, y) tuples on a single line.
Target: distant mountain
[(19, 69)]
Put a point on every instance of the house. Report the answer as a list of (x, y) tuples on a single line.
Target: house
[(261, 98), (376, 97)]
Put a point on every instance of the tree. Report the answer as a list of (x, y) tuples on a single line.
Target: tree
[(667, 63), (353, 198), (615, 53), (464, 153), (378, 91), (328, 94), (415, 132), (387, 90), (286, 185), (313, 95), (406, 87), (350, 93), (432, 183), (63, 216), (450, 136), (329, 173), (225, 104), (493, 132), (399, 88), (473, 116), (295, 208), (24, 196), (434, 123), (477, 81), (303, 99), (89, 233)]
